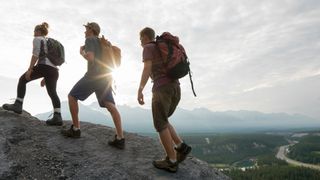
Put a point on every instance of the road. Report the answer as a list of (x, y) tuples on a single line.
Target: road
[(282, 155)]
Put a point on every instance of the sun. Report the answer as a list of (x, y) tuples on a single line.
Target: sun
[(116, 74), (126, 79), (125, 74), (121, 74)]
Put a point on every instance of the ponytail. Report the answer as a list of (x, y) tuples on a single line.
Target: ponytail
[(43, 28)]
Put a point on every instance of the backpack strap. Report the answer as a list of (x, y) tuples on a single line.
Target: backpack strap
[(42, 54), (191, 82), (170, 48)]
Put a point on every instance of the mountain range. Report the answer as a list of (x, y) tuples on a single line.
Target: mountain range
[(136, 119)]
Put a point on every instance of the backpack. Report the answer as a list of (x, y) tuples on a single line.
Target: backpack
[(110, 55), (55, 52), (174, 57)]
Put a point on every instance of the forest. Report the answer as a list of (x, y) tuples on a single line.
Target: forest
[(307, 150), (252, 155)]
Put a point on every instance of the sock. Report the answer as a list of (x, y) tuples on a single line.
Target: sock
[(118, 138), (75, 128), (57, 110), (19, 100), (179, 145), (173, 161)]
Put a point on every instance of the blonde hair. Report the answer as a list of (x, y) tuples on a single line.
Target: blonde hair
[(42, 28)]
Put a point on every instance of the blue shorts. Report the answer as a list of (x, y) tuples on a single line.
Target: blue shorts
[(88, 85)]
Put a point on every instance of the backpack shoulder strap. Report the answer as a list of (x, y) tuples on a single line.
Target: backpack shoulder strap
[(191, 82), (42, 54)]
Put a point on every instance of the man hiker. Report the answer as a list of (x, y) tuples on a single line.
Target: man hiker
[(96, 80), (40, 66), (165, 98)]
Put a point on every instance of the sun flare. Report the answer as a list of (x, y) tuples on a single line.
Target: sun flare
[(125, 74), (116, 74)]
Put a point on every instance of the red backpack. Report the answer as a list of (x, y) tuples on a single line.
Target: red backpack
[(174, 57)]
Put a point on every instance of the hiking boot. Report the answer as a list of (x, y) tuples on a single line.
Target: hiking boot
[(16, 107), (166, 164), (117, 143), (71, 132), (55, 121), (182, 151)]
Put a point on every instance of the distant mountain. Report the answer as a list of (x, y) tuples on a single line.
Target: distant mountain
[(136, 119)]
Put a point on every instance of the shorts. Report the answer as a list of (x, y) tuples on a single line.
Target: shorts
[(164, 102), (88, 85)]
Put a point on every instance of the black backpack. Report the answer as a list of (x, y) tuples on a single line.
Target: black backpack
[(55, 51)]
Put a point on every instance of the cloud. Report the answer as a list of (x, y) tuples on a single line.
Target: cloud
[(235, 47)]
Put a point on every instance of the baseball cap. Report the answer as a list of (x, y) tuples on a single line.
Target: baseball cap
[(94, 26)]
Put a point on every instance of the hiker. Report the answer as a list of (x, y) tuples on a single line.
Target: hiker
[(165, 98), (96, 80), (40, 66)]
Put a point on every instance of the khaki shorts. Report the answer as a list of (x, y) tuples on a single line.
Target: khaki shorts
[(164, 102)]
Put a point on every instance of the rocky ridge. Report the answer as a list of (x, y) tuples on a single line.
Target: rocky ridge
[(31, 150)]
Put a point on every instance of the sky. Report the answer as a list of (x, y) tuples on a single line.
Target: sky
[(245, 54)]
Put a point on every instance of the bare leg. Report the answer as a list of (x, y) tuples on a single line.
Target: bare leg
[(175, 137), (116, 118), (74, 110), (166, 140)]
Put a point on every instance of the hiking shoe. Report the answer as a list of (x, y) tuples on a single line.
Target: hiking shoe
[(166, 164), (182, 152), (16, 107), (117, 143), (55, 121), (71, 132)]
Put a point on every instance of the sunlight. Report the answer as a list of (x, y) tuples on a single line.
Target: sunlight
[(117, 75), (122, 74)]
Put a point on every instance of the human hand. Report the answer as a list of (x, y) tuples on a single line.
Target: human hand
[(140, 98), (43, 83), (28, 74), (81, 49)]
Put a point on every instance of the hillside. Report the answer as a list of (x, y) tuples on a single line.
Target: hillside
[(31, 150)]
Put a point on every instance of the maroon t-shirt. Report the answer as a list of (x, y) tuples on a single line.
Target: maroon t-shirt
[(158, 72)]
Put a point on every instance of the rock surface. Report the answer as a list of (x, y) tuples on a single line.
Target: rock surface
[(31, 150)]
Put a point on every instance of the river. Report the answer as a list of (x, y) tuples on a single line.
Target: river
[(282, 155)]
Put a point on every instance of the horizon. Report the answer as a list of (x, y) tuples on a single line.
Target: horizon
[(94, 103), (138, 120), (254, 56)]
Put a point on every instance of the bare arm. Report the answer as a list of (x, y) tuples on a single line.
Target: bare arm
[(33, 61), (89, 56), (144, 79)]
